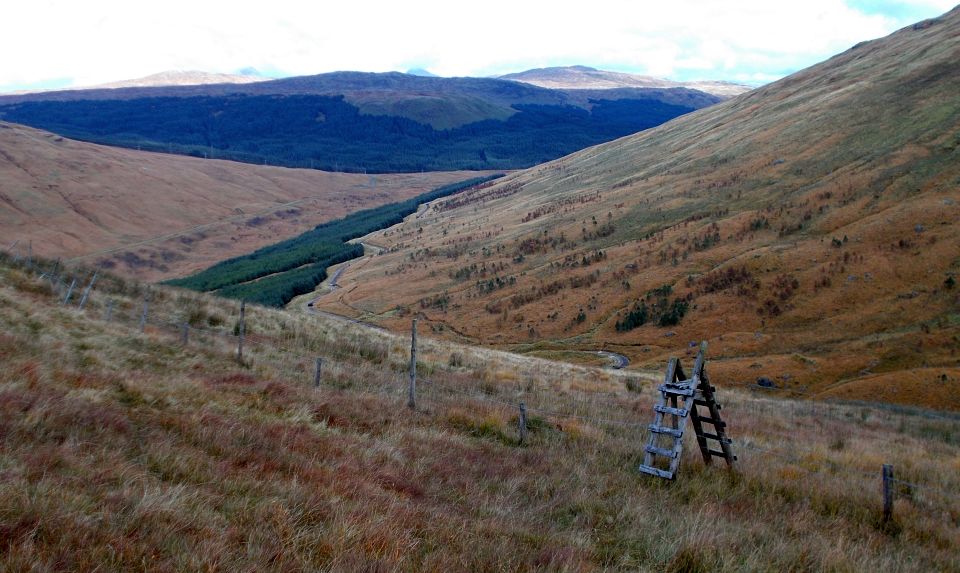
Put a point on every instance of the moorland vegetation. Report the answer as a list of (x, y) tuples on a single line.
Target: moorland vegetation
[(134, 451)]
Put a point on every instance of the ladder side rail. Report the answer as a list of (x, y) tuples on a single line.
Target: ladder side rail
[(678, 443), (698, 430), (701, 360), (720, 430), (648, 457)]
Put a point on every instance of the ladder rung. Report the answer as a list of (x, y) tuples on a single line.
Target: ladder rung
[(682, 412), (717, 453), (661, 430), (655, 472), (723, 439), (716, 423), (660, 452), (700, 402), (677, 390)]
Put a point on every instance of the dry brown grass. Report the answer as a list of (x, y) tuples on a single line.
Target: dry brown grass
[(129, 452)]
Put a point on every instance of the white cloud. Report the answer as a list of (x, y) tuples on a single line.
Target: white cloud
[(104, 40)]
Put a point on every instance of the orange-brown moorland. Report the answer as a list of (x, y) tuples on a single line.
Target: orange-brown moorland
[(808, 229)]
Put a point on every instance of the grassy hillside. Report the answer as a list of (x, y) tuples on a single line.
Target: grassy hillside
[(807, 229), (132, 452), (157, 216)]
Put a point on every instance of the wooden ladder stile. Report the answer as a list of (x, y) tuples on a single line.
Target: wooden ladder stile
[(679, 399)]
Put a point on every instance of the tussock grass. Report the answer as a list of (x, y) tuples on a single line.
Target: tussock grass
[(127, 452)]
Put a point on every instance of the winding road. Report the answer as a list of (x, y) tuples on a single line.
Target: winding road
[(617, 361), (336, 275), (332, 286)]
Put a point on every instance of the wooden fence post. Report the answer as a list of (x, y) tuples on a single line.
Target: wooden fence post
[(66, 298), (185, 333), (242, 330), (109, 317), (143, 315), (523, 422), (316, 372), (86, 291), (887, 492), (54, 275), (412, 397)]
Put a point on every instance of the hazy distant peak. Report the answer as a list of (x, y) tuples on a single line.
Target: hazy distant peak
[(585, 77), (423, 72), (182, 78)]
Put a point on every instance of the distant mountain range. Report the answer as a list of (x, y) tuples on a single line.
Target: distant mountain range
[(180, 78), (586, 78), (353, 121)]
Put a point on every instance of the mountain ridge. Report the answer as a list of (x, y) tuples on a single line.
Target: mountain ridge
[(357, 122), (363, 87), (585, 77), (179, 78)]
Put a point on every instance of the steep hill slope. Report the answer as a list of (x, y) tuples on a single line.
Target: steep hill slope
[(584, 77), (808, 229), (360, 122), (124, 450), (71, 199)]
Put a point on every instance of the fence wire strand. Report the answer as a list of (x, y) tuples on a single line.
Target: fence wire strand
[(292, 359)]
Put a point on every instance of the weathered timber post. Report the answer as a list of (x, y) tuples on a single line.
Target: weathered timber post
[(523, 422), (143, 315), (54, 274), (185, 333), (887, 492), (30, 255), (66, 298), (242, 330), (109, 317), (412, 397), (316, 372), (86, 291)]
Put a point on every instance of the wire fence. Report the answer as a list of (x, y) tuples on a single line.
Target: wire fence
[(348, 371)]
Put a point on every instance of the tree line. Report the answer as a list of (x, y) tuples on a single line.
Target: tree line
[(275, 274)]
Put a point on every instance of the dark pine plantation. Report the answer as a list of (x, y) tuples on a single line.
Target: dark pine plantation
[(327, 132)]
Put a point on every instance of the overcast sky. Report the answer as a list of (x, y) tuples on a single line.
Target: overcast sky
[(59, 43)]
